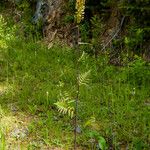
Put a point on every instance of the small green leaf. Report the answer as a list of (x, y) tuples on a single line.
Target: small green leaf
[(102, 143), (90, 121)]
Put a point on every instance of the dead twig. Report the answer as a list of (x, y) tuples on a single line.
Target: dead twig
[(121, 24)]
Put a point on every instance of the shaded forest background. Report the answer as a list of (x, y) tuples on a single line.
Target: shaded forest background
[(120, 27)]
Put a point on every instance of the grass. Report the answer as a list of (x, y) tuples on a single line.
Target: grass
[(33, 76)]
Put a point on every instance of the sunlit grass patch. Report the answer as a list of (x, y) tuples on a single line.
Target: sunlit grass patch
[(13, 130), (7, 121), (2, 45), (5, 88)]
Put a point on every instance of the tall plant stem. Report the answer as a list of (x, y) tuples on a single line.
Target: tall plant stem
[(78, 86)]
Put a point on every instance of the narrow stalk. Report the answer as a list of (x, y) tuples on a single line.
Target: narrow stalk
[(78, 89)]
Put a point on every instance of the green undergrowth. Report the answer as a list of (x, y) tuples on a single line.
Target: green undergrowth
[(33, 77)]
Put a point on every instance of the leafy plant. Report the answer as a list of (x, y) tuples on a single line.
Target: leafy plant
[(100, 139), (65, 104), (136, 38)]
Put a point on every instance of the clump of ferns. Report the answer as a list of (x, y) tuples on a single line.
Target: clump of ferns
[(66, 103)]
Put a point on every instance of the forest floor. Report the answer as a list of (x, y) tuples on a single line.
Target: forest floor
[(34, 78)]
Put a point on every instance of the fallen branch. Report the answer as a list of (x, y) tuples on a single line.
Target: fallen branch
[(122, 21)]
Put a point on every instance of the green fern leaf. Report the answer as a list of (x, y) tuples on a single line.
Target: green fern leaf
[(64, 105), (83, 78)]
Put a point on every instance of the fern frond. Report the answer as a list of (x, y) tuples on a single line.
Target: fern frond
[(83, 78), (82, 57), (64, 108), (64, 105)]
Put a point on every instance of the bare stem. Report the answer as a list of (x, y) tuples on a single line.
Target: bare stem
[(78, 89)]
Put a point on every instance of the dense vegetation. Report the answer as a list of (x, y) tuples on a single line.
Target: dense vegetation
[(39, 83)]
